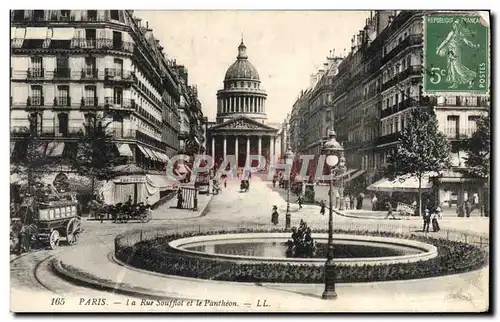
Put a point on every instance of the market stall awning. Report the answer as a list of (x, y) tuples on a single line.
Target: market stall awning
[(151, 154), (354, 175), (155, 154), (162, 156), (144, 151), (55, 149), (402, 183), (124, 150), (163, 182)]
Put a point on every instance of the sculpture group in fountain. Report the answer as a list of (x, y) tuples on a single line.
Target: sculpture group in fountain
[(302, 244)]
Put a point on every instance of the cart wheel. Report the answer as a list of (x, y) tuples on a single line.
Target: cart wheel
[(73, 230), (54, 239)]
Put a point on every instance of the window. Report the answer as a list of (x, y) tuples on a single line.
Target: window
[(90, 98), (452, 125), (63, 95), (64, 15), (36, 67), (117, 39), (115, 15), (18, 14), (118, 96), (118, 68), (62, 119), (62, 66), (38, 15), (90, 70), (35, 120), (36, 95), (90, 37), (92, 15), (472, 126)]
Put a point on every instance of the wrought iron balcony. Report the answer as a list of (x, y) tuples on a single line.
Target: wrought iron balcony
[(62, 101), (116, 103), (35, 101), (401, 106), (410, 71), (456, 133), (102, 43), (118, 74), (62, 73), (34, 73), (89, 102), (411, 40), (90, 73)]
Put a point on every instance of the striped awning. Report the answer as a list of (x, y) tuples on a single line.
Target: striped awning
[(55, 149), (144, 151), (152, 155), (155, 154), (124, 150)]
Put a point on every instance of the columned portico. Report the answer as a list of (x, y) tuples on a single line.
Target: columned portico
[(240, 128)]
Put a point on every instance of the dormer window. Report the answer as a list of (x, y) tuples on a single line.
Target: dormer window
[(114, 15)]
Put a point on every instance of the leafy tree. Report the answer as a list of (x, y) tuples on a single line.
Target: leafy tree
[(422, 148), (478, 148), (96, 156), (31, 160)]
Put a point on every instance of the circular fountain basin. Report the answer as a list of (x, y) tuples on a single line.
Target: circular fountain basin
[(255, 248)]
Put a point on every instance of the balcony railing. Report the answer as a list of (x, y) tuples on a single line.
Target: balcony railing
[(90, 73), (122, 134), (118, 73), (102, 43), (390, 138), (459, 133), (35, 73), (89, 102), (35, 101), (62, 73), (114, 102), (408, 41), (410, 71), (62, 101), (401, 106)]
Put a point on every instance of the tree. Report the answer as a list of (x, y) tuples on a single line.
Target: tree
[(421, 149), (31, 160), (478, 149), (96, 156)]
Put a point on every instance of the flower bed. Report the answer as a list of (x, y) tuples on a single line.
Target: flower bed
[(155, 255)]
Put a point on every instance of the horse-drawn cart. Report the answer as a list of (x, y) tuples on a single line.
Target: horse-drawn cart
[(47, 223)]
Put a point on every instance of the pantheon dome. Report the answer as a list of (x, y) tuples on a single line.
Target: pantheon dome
[(241, 95)]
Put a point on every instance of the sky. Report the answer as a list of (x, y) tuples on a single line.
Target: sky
[(284, 46)]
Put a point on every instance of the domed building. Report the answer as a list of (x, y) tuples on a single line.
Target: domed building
[(241, 128)]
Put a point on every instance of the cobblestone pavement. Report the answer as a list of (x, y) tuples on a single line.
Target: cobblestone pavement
[(231, 208)]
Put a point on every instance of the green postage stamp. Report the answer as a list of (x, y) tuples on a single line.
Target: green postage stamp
[(456, 53)]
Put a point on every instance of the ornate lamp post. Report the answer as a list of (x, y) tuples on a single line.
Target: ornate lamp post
[(333, 150), (289, 161)]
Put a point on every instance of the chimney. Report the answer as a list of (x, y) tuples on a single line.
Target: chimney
[(353, 43)]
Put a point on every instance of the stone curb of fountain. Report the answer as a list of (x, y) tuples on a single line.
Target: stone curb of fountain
[(81, 278)]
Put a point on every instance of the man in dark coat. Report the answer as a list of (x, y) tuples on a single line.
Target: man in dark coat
[(323, 206)]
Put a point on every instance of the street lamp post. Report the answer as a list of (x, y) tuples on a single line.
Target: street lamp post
[(289, 160), (332, 149)]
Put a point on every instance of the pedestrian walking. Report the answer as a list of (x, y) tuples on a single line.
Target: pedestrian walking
[(347, 202), (323, 207), (299, 201), (388, 206), (225, 182), (434, 219), (352, 200), (180, 199), (374, 202), (427, 220), (467, 208), (275, 215)]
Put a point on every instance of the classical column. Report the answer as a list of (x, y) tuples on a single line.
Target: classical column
[(260, 145), (248, 152), (271, 148), (236, 149), (225, 147), (213, 147), (274, 146)]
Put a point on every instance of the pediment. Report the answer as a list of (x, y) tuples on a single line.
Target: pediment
[(243, 123)]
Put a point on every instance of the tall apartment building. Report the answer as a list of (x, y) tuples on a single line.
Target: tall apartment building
[(377, 86), (68, 65)]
